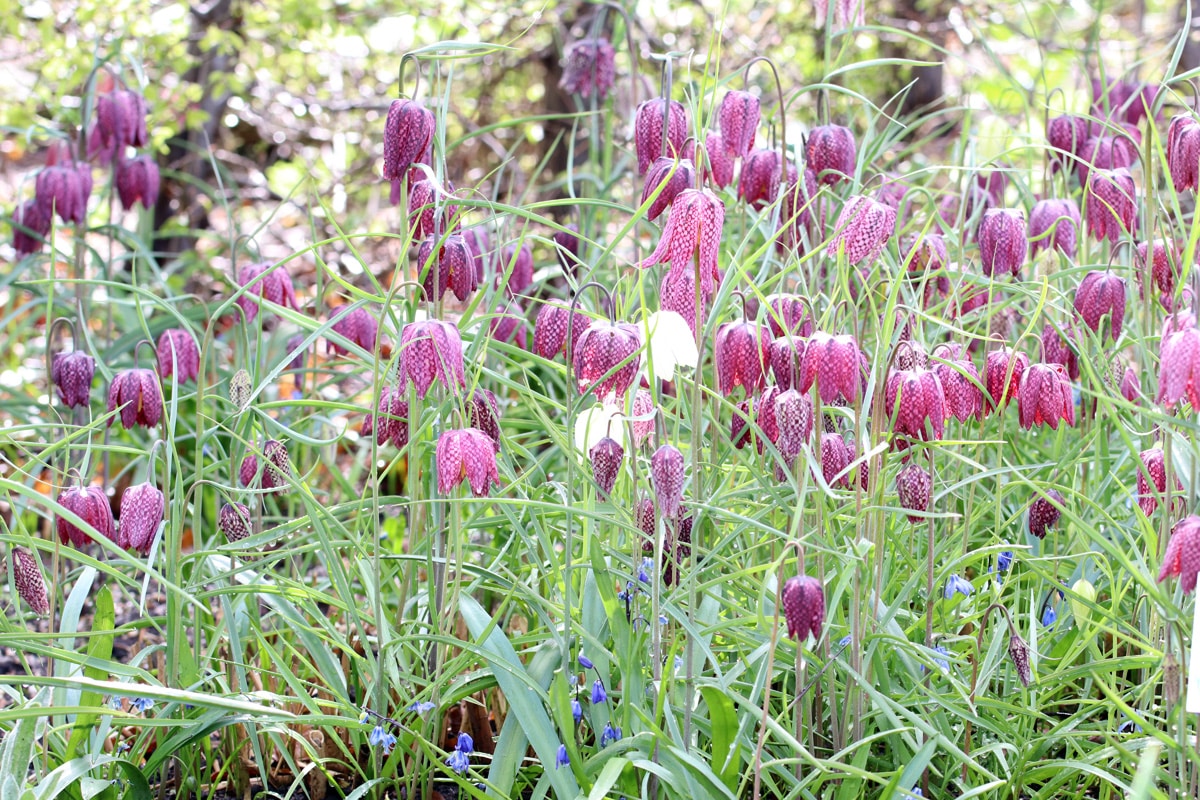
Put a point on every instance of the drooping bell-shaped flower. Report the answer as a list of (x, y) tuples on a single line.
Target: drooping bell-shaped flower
[(1183, 152), (390, 422), (429, 211), (915, 403), (1043, 513), (1179, 361), (605, 358), (1128, 101), (407, 138), (138, 181), (64, 189), (863, 228), (466, 454), (606, 457), (138, 396), (276, 471), (740, 423), (797, 215), (1163, 268), (719, 164), (357, 326), (1019, 654), (550, 329), (926, 253), (666, 476), (648, 130), (758, 184), (233, 520), (786, 355), (90, 504), (645, 519), (1059, 348), (27, 577), (1003, 371), (740, 355), (803, 601), (178, 355), (72, 375), (508, 325), (738, 118), (1067, 135), (120, 123), (836, 457), (1152, 481), (1106, 151), (517, 264), (641, 419), (31, 224), (914, 486), (1054, 224), (589, 66), (566, 247), (673, 176), (142, 509), (677, 294), (431, 350), (1182, 559), (451, 261), (693, 230), (1111, 204), (260, 280), (832, 153), (1002, 242), (835, 363), (793, 426), (1100, 293), (789, 315), (960, 383), (1131, 385), (483, 413), (1045, 396)]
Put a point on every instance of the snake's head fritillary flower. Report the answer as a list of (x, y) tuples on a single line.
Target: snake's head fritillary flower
[(960, 383), (357, 326), (431, 350), (64, 189), (1183, 152), (641, 420), (446, 263), (429, 211), (1106, 151), (758, 184), (1111, 202), (786, 355), (483, 413), (508, 325), (789, 315), (466, 454), (740, 355), (797, 215), (233, 520), (606, 359), (1152, 481), (914, 486), (693, 230), (836, 457), (666, 476), (516, 262), (1002, 242), (120, 123), (1054, 224), (260, 280), (1067, 135), (1128, 101), (72, 375), (835, 363), (673, 176), (1164, 265), (738, 118), (1044, 512), (142, 510), (914, 397), (1179, 361), (407, 138), (277, 468), (27, 577), (1182, 559), (178, 355), (31, 225), (390, 422), (567, 244), (863, 228), (90, 504), (550, 329), (1018, 651), (803, 600), (606, 456), (1059, 348), (138, 181), (832, 153), (138, 396), (926, 253), (765, 419), (589, 66), (718, 167), (648, 130), (739, 425), (1131, 385), (1003, 371), (794, 426), (1046, 396), (645, 519), (1100, 293)]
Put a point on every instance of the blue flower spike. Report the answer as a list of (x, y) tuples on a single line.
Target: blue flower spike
[(958, 585), (598, 693), (562, 760)]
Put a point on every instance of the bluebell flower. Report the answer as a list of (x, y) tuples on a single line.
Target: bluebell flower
[(916, 790), (959, 585), (141, 704), (644, 570), (420, 708), (662, 619), (609, 735), (1049, 617), (458, 761), (844, 641), (942, 663), (466, 743), (678, 664), (598, 693), (562, 759), (1129, 726), (1004, 561), (380, 737), (585, 662), (364, 719), (576, 710)]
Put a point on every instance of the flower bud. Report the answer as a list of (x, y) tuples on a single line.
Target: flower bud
[(1044, 514), (407, 137), (666, 475), (27, 577), (803, 600), (1018, 651), (915, 489), (234, 521)]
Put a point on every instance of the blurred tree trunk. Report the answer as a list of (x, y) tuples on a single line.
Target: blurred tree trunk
[(189, 155), (1191, 49), (927, 90)]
